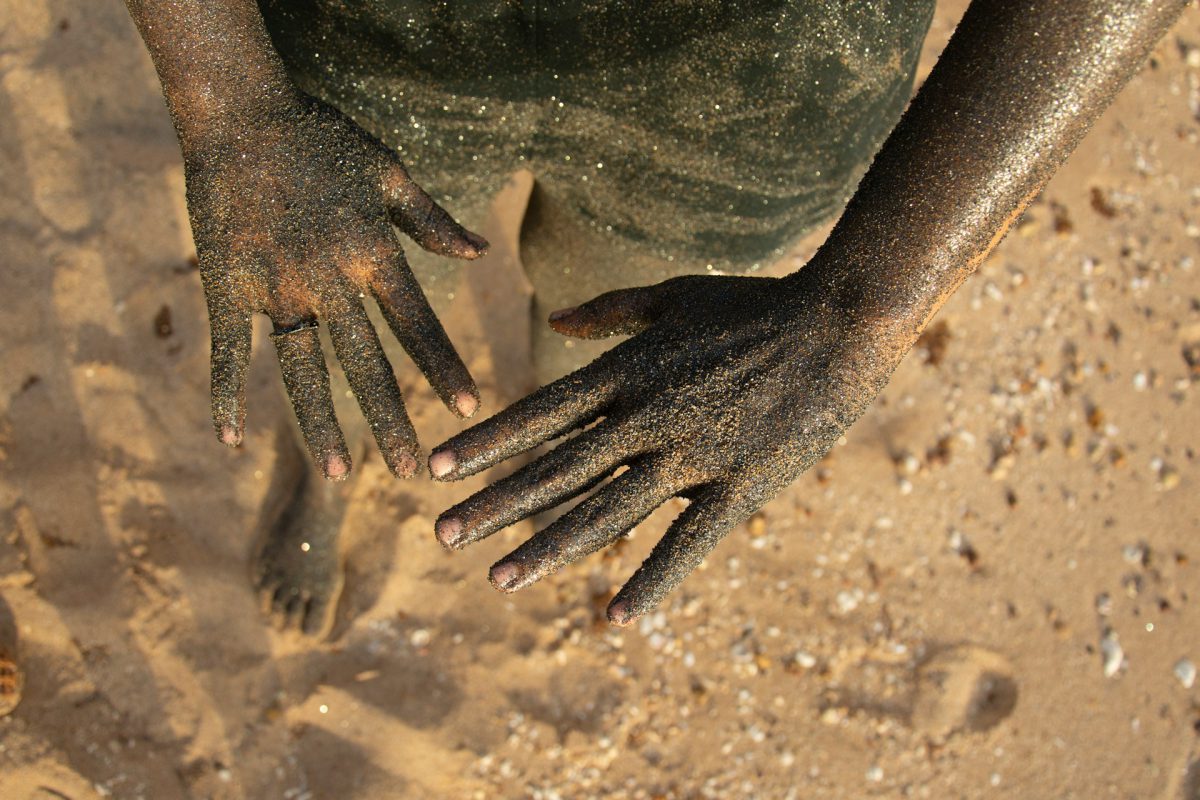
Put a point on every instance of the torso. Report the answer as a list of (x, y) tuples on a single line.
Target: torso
[(744, 123)]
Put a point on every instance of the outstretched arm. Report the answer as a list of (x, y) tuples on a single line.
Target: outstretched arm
[(732, 387), (291, 207), (1018, 86)]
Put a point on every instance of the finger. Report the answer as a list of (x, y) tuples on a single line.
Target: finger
[(307, 382), (413, 211), (422, 336), (686, 543), (623, 312), (552, 411), (374, 384), (568, 470), (592, 525), (230, 329)]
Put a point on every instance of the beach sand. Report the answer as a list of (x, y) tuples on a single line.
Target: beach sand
[(991, 590)]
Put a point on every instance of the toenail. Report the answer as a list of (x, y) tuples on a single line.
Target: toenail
[(466, 403), (504, 576), (442, 463), (448, 530)]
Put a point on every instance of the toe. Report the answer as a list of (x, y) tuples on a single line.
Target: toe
[(266, 597), (297, 611), (318, 618)]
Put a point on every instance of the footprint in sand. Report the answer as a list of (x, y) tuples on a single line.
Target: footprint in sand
[(963, 688), (12, 679)]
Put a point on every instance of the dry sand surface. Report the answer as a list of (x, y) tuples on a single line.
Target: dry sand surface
[(992, 589)]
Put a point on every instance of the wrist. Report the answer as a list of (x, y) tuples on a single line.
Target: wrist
[(875, 311), (210, 110), (215, 61), (208, 118)]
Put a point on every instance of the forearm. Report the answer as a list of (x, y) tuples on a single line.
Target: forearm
[(215, 61), (1018, 86)]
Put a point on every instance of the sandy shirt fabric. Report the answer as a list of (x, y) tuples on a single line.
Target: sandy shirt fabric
[(716, 132)]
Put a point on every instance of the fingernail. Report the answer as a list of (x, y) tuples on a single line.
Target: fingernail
[(619, 613), (555, 316), (466, 403), (404, 465), (504, 576), (448, 530), (336, 467), (231, 436), (478, 242), (442, 463)]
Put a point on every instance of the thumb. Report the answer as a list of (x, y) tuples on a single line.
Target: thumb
[(413, 211), (623, 312)]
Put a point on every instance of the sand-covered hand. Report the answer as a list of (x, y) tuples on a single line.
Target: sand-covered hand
[(729, 390)]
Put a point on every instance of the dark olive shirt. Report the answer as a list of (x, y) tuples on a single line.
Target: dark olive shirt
[(718, 130)]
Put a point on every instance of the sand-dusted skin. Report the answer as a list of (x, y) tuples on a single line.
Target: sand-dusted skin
[(290, 203), (732, 386), (292, 207)]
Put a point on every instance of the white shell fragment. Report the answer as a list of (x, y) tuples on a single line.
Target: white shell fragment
[(1185, 671)]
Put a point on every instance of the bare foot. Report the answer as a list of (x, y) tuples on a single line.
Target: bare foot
[(297, 572), (12, 679)]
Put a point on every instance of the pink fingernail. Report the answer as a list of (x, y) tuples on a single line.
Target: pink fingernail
[(447, 530), (505, 576), (405, 465), (442, 463), (555, 316), (231, 436), (336, 467), (619, 613), (466, 403)]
